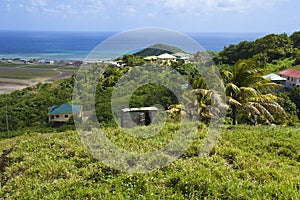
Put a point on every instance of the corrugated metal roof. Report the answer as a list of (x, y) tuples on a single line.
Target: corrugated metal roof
[(274, 77), (291, 73), (139, 109), (64, 108)]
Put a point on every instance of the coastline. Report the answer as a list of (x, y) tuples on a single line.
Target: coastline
[(72, 49)]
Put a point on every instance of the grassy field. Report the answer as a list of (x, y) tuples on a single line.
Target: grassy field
[(248, 163), (4, 64), (36, 66), (25, 73)]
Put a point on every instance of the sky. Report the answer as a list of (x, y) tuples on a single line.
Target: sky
[(263, 16)]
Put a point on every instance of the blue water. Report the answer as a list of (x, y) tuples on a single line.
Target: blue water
[(77, 45)]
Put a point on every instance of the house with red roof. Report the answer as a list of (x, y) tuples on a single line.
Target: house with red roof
[(292, 77)]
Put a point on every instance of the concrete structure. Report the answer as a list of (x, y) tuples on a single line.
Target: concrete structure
[(132, 117), (292, 77)]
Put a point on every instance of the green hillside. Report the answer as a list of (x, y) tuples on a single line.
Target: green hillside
[(248, 163), (158, 49)]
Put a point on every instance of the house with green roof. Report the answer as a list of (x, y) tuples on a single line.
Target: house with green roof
[(60, 114)]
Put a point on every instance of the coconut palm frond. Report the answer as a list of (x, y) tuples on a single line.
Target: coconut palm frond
[(265, 112), (226, 75), (232, 89), (252, 109), (267, 87), (247, 92), (274, 107), (232, 101), (264, 98), (203, 92)]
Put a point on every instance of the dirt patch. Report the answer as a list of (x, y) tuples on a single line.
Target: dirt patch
[(4, 159), (8, 85)]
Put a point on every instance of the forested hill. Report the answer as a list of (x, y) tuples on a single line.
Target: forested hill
[(158, 49), (265, 50)]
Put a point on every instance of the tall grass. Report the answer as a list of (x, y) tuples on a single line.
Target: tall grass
[(247, 163)]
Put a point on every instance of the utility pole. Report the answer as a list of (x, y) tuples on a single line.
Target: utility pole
[(7, 124)]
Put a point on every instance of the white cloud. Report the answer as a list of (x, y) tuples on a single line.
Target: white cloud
[(65, 7), (175, 4), (150, 8), (206, 6)]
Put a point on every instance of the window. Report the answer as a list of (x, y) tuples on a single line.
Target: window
[(52, 117), (57, 116), (66, 116)]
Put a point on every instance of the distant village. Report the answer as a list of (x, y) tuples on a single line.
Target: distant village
[(164, 58), (76, 63)]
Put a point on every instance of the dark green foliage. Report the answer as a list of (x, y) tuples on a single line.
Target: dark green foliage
[(132, 60), (287, 104), (188, 70), (296, 56), (233, 53), (295, 38), (268, 48), (295, 97), (152, 94), (276, 46)]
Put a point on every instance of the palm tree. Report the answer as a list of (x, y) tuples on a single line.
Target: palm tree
[(207, 99), (246, 89), (206, 103)]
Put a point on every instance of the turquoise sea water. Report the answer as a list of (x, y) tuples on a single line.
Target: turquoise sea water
[(77, 45)]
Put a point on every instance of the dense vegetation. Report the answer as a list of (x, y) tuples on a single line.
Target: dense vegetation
[(265, 50), (29, 107), (247, 163)]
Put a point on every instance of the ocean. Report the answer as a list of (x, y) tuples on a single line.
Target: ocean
[(77, 45)]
